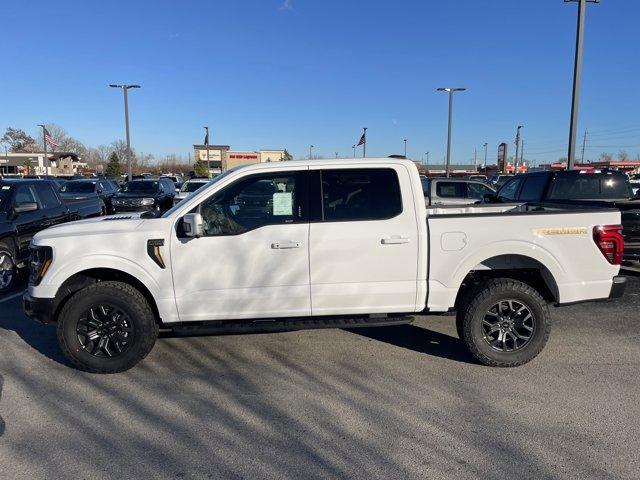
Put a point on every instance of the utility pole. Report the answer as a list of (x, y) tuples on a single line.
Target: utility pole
[(206, 143), (336, 154), (405, 148), (475, 158), (485, 145), (522, 155), (310, 152), (47, 164), (450, 91), (125, 88), (584, 146), (364, 145), (577, 77), (515, 161)]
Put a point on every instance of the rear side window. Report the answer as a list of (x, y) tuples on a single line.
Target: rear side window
[(582, 186), (360, 194), (24, 194), (533, 188), (451, 190), (47, 196)]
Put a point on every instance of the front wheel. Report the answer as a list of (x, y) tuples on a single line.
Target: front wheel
[(504, 323), (8, 269), (107, 327)]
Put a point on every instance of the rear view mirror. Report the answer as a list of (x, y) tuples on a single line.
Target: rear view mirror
[(25, 207), (193, 225)]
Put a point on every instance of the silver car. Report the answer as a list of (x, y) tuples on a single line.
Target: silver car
[(454, 191)]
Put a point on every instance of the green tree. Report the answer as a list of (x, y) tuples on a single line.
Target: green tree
[(200, 169), (113, 169), (286, 155)]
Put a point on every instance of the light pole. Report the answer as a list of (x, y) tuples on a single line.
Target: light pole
[(206, 144), (577, 75), (44, 142), (125, 88), (515, 162), (354, 151), (310, 152), (427, 158), (450, 91), (405, 148), (485, 145)]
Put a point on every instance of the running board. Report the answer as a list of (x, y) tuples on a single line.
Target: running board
[(285, 325)]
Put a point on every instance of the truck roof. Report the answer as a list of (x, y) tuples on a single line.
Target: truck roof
[(325, 161)]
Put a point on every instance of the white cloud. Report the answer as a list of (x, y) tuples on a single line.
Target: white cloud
[(286, 5)]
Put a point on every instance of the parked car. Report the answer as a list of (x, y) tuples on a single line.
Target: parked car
[(145, 195), (26, 207), (454, 191), (78, 189), (176, 179), (581, 189), (346, 243), (189, 187), (634, 181)]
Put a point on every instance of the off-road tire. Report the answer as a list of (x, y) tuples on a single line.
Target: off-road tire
[(126, 298), (474, 307)]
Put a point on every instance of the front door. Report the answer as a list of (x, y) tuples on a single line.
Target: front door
[(363, 241), (253, 259)]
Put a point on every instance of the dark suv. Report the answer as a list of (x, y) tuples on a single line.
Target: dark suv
[(78, 189), (145, 195)]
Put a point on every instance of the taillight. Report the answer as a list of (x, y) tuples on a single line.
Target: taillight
[(610, 241)]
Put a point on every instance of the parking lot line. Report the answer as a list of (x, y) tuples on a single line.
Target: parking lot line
[(11, 297)]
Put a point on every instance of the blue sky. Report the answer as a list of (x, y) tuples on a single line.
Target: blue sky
[(289, 73)]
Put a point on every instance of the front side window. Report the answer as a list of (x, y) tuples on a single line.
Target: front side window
[(24, 194), (48, 198), (533, 188), (252, 203), (360, 194), (477, 190), (510, 189)]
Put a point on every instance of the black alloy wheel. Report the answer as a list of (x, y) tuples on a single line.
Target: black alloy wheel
[(508, 325), (105, 331)]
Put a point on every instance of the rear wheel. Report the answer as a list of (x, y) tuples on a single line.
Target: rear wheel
[(107, 327), (8, 269), (504, 323)]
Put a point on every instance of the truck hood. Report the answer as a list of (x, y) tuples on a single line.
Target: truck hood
[(110, 225)]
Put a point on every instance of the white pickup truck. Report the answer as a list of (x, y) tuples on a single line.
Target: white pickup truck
[(322, 243)]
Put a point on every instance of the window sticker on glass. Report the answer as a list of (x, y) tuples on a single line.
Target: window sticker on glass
[(283, 203)]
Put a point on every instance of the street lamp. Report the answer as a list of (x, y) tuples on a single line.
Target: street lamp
[(354, 151), (310, 152), (577, 75), (405, 148), (450, 91), (125, 89)]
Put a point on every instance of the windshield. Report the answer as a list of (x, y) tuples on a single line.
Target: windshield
[(191, 187), (78, 187), (140, 187)]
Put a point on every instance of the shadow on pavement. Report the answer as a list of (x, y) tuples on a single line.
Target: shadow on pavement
[(418, 339)]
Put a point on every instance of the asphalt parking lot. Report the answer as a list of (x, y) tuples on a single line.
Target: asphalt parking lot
[(395, 402)]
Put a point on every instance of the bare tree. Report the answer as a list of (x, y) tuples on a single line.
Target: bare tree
[(623, 156), (19, 141), (606, 157)]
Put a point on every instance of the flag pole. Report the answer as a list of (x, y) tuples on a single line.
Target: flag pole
[(364, 145)]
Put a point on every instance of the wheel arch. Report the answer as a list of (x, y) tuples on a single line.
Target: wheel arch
[(84, 278)]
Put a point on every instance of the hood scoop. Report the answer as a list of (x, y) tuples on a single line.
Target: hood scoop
[(121, 217)]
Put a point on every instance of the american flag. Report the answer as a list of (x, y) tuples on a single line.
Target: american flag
[(49, 139), (363, 140)]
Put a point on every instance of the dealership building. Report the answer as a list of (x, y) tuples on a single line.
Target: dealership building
[(35, 164), (222, 158)]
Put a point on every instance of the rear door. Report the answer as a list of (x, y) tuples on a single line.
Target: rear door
[(27, 224), (363, 245)]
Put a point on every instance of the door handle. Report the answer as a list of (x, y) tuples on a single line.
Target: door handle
[(395, 240), (285, 245)]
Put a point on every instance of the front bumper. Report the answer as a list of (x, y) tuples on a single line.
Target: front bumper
[(618, 286), (40, 309)]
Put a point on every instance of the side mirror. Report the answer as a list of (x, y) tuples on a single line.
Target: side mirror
[(99, 191), (25, 207), (193, 225), (490, 198)]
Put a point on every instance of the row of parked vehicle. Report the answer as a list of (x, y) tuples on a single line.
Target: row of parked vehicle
[(31, 204)]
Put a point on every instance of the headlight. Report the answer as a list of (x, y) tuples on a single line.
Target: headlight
[(39, 262), (147, 201)]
